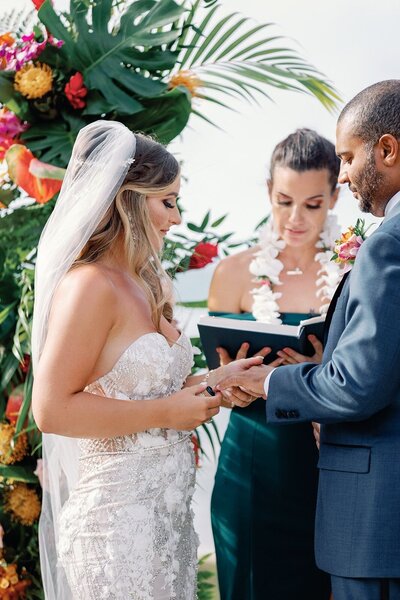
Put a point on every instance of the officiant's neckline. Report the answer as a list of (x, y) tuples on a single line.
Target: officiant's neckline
[(267, 268)]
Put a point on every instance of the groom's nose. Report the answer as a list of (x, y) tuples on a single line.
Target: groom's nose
[(343, 176)]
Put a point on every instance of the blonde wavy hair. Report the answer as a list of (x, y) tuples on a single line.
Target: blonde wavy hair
[(152, 171)]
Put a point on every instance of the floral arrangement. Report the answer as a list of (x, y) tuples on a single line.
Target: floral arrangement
[(150, 65), (347, 246)]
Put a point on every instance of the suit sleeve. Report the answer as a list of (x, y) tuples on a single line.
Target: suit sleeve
[(363, 373)]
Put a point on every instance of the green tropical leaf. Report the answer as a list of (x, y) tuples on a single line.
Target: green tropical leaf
[(115, 61), (56, 146), (18, 473), (165, 116), (232, 57)]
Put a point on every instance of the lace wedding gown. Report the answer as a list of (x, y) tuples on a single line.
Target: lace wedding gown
[(126, 531)]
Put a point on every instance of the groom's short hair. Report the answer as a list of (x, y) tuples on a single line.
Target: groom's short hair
[(304, 150), (375, 111)]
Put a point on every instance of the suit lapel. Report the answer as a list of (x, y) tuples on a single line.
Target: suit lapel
[(332, 306)]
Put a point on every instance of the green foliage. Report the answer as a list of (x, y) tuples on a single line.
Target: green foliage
[(205, 589)]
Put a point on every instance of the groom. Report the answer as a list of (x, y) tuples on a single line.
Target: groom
[(355, 392)]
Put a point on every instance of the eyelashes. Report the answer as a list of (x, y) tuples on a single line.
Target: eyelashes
[(310, 206), (168, 204)]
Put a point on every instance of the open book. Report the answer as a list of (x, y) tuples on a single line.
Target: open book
[(231, 333)]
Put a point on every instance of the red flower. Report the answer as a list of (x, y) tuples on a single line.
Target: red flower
[(203, 255), (14, 404), (75, 91), (24, 365), (37, 3), (196, 449)]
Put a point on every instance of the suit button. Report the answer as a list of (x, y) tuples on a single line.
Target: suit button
[(293, 414), (279, 413)]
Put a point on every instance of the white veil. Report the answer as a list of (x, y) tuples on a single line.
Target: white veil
[(100, 160)]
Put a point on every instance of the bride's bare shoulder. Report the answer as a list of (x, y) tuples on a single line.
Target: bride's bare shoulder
[(88, 283)]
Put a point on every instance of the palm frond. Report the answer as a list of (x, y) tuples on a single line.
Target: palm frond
[(233, 57)]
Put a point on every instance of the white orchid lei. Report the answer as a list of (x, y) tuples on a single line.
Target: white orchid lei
[(266, 267)]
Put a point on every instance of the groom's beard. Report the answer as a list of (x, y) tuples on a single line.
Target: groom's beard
[(368, 183)]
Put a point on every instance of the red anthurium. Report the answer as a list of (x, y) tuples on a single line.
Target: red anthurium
[(14, 404), (202, 255), (75, 91), (40, 180), (37, 3)]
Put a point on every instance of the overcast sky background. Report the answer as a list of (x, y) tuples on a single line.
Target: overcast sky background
[(353, 43)]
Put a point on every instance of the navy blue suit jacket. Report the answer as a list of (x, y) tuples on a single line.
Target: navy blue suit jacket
[(355, 394)]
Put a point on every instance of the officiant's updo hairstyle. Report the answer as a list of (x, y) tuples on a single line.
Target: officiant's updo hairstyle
[(303, 150), (152, 171)]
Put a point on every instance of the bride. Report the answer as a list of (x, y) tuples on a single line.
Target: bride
[(111, 391)]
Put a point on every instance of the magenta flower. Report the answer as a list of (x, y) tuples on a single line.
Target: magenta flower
[(14, 57), (10, 125)]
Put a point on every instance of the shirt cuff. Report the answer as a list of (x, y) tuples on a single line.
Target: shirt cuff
[(266, 382)]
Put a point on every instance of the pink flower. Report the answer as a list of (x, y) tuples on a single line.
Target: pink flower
[(1, 536), (348, 250), (14, 54), (10, 128)]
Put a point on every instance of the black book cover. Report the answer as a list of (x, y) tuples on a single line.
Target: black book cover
[(231, 333)]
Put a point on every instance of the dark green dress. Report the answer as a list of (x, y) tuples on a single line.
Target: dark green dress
[(263, 507)]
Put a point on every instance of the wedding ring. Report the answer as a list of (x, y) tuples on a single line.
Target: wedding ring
[(232, 405)]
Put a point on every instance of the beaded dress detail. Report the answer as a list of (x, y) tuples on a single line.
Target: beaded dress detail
[(126, 531)]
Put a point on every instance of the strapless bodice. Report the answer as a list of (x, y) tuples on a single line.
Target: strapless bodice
[(148, 368)]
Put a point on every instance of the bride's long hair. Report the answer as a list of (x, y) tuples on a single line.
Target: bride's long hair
[(153, 170)]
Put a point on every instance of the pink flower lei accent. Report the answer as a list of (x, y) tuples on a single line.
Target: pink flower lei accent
[(347, 246)]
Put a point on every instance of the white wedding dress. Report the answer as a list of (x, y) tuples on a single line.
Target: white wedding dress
[(126, 531)]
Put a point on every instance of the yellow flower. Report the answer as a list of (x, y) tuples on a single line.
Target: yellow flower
[(34, 80), (11, 451), (187, 79), (23, 503)]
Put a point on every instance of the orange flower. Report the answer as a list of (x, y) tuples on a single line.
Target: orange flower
[(40, 180), (187, 79)]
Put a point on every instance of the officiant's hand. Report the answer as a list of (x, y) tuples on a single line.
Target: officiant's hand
[(291, 357), (251, 380), (225, 358)]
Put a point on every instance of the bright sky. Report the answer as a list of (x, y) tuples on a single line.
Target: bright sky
[(353, 43)]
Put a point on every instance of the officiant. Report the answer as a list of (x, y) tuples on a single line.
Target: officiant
[(263, 503)]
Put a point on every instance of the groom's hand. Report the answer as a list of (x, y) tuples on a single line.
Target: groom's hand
[(252, 380)]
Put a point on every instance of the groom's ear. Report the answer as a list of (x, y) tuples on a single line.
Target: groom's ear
[(388, 147)]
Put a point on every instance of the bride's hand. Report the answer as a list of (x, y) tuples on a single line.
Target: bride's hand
[(291, 357), (189, 408)]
